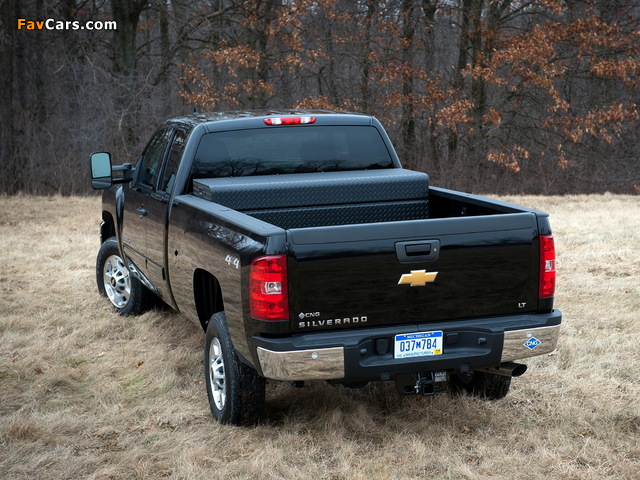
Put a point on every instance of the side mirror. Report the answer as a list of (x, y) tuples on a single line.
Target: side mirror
[(101, 176)]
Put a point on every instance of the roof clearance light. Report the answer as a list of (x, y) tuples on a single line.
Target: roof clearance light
[(289, 120)]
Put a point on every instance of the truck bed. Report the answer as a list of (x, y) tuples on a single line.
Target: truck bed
[(351, 233)]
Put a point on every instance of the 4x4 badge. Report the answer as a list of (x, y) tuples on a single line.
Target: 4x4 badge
[(418, 278)]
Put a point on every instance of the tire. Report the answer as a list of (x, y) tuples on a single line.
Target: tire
[(235, 390), (125, 292), (487, 386)]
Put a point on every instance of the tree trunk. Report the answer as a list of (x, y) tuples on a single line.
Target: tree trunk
[(408, 110), (365, 88), (429, 10), (8, 102), (127, 14)]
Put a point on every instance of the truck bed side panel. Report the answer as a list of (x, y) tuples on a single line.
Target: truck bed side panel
[(210, 237)]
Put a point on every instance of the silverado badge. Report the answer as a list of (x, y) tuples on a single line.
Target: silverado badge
[(418, 278)]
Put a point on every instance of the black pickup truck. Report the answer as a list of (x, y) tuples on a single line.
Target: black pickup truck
[(306, 252)]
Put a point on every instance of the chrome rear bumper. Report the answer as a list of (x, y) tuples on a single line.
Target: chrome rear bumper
[(317, 364), (367, 354), (519, 344)]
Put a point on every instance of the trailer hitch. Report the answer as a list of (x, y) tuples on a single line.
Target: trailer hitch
[(430, 383)]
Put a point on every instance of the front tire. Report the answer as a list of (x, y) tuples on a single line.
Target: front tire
[(236, 392), (115, 281), (487, 386)]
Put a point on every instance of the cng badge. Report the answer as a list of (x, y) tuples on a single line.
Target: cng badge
[(532, 343), (418, 278)]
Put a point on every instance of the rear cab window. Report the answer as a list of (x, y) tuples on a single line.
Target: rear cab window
[(294, 149)]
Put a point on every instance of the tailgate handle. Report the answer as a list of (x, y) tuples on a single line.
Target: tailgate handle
[(420, 251)]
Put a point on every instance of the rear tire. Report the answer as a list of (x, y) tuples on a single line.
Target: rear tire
[(236, 392), (487, 386), (125, 292)]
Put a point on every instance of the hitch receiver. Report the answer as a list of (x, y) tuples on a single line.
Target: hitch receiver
[(426, 383)]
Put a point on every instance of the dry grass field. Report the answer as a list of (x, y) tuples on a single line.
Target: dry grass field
[(86, 393)]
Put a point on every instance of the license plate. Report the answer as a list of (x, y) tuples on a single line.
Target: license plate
[(419, 344)]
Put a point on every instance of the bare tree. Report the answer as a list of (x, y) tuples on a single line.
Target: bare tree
[(535, 96)]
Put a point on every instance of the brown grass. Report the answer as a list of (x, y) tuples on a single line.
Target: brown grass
[(89, 394)]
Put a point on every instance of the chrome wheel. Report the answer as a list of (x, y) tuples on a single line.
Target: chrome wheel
[(234, 389), (216, 374), (117, 281)]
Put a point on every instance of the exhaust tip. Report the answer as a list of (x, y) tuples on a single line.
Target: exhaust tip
[(518, 369), (508, 369)]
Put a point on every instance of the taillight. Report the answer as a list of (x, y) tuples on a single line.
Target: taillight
[(289, 120), (547, 267), (268, 296)]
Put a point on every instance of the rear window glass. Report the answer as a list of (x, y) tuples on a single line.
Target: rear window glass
[(290, 150)]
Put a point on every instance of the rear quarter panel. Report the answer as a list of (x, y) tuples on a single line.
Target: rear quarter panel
[(208, 236)]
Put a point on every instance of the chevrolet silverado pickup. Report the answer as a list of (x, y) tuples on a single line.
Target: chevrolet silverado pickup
[(304, 250)]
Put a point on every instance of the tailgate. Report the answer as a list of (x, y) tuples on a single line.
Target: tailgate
[(415, 271)]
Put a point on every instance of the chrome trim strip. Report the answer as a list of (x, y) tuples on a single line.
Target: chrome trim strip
[(318, 364), (514, 342)]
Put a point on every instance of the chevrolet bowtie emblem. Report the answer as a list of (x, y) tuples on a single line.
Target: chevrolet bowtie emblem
[(418, 278)]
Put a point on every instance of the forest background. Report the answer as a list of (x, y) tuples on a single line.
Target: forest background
[(485, 95)]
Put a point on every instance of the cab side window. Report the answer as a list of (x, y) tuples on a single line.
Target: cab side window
[(173, 162), (151, 161)]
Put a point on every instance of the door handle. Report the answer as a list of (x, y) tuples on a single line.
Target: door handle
[(142, 212)]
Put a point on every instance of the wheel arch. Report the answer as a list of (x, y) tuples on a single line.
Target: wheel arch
[(207, 295)]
